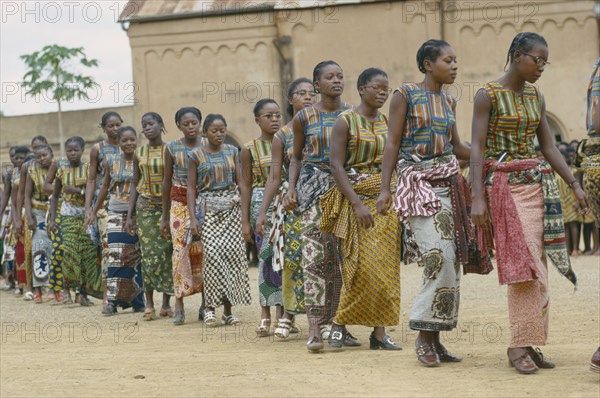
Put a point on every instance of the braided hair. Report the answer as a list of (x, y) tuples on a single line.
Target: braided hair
[(523, 42), (430, 51), (188, 109)]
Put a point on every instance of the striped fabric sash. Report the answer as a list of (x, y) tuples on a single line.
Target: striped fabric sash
[(414, 194)]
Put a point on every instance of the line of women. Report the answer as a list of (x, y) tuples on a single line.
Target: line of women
[(333, 201)]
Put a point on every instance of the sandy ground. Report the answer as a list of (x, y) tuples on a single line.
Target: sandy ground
[(73, 351)]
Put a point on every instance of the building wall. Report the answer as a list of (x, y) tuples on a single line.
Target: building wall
[(223, 64), (19, 130)]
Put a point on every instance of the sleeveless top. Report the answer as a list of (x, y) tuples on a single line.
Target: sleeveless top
[(121, 177), (180, 153), (286, 136), (366, 142), (104, 151), (75, 177), (430, 118), (38, 177), (514, 120), (261, 152), (317, 132), (216, 171), (151, 162), (593, 100)]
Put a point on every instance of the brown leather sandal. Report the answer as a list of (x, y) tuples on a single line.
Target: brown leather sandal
[(426, 354), (538, 358), (522, 362)]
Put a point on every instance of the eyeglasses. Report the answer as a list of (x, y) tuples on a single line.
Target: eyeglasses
[(303, 93), (538, 60), (377, 87), (272, 116)]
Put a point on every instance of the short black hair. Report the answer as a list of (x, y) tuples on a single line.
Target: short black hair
[(123, 129), (291, 89), (107, 116), (210, 118), (261, 104), (367, 75), (76, 140), (39, 138), (430, 51), (21, 149), (318, 70), (187, 109), (523, 42), (154, 116), (46, 148)]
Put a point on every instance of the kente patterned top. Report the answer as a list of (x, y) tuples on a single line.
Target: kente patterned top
[(366, 142), (38, 177), (74, 177), (151, 162), (261, 152), (593, 99), (430, 118), (317, 132), (216, 171), (104, 150), (121, 177), (514, 120), (180, 153), (286, 136)]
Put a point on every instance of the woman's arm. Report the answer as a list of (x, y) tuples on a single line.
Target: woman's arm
[(556, 160), (54, 204), (101, 195), (28, 193), (90, 187), (397, 119), (165, 230), (191, 196), (272, 186), (50, 177), (460, 150), (130, 224), (244, 177), (7, 193), (339, 142), (291, 198), (479, 130)]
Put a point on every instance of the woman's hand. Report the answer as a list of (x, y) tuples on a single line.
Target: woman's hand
[(384, 202), (31, 223), (195, 228), (89, 220), (479, 211), (72, 190), (131, 226), (165, 230), (582, 202), (261, 225), (247, 232), (51, 227), (363, 215), (291, 200)]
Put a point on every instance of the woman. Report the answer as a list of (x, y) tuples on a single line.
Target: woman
[(370, 244), (285, 228), (146, 206), (423, 138), (110, 124), (213, 179), (188, 255), (256, 157), (518, 188), (311, 175), (123, 272), (36, 206), (79, 268)]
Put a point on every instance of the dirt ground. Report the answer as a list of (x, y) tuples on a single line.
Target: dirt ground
[(71, 351)]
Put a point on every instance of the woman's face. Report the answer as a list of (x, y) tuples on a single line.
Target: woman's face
[(331, 81), (216, 132), (128, 142), (113, 124), (376, 92), (304, 96), (44, 157), (189, 125), (269, 118), (445, 67), (531, 64), (74, 152), (151, 127)]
